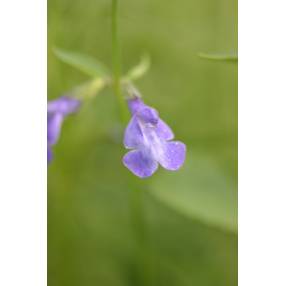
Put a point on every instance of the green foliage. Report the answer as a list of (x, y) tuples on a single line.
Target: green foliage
[(200, 191), (82, 62), (219, 57), (139, 70)]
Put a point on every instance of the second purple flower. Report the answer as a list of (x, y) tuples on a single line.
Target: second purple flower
[(58, 109)]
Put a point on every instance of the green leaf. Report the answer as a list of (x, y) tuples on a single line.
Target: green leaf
[(84, 63), (139, 70), (199, 191), (219, 57)]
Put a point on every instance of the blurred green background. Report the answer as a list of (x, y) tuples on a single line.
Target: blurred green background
[(105, 226)]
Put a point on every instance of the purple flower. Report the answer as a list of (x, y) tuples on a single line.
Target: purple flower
[(149, 137), (57, 110)]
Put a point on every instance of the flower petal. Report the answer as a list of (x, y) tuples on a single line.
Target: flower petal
[(148, 115), (135, 104), (64, 105), (133, 136), (50, 154), (173, 156), (164, 131), (140, 163), (54, 127)]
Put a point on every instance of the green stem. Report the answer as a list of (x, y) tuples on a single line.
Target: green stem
[(135, 200), (137, 214), (143, 263), (116, 61)]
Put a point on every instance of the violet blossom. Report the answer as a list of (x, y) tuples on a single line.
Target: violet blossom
[(150, 137), (58, 109)]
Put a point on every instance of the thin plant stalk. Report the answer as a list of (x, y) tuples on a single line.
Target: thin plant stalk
[(116, 61), (144, 265), (136, 208)]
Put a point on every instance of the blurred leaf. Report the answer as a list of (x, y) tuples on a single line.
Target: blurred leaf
[(91, 88), (200, 191), (84, 63), (219, 57), (139, 70)]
